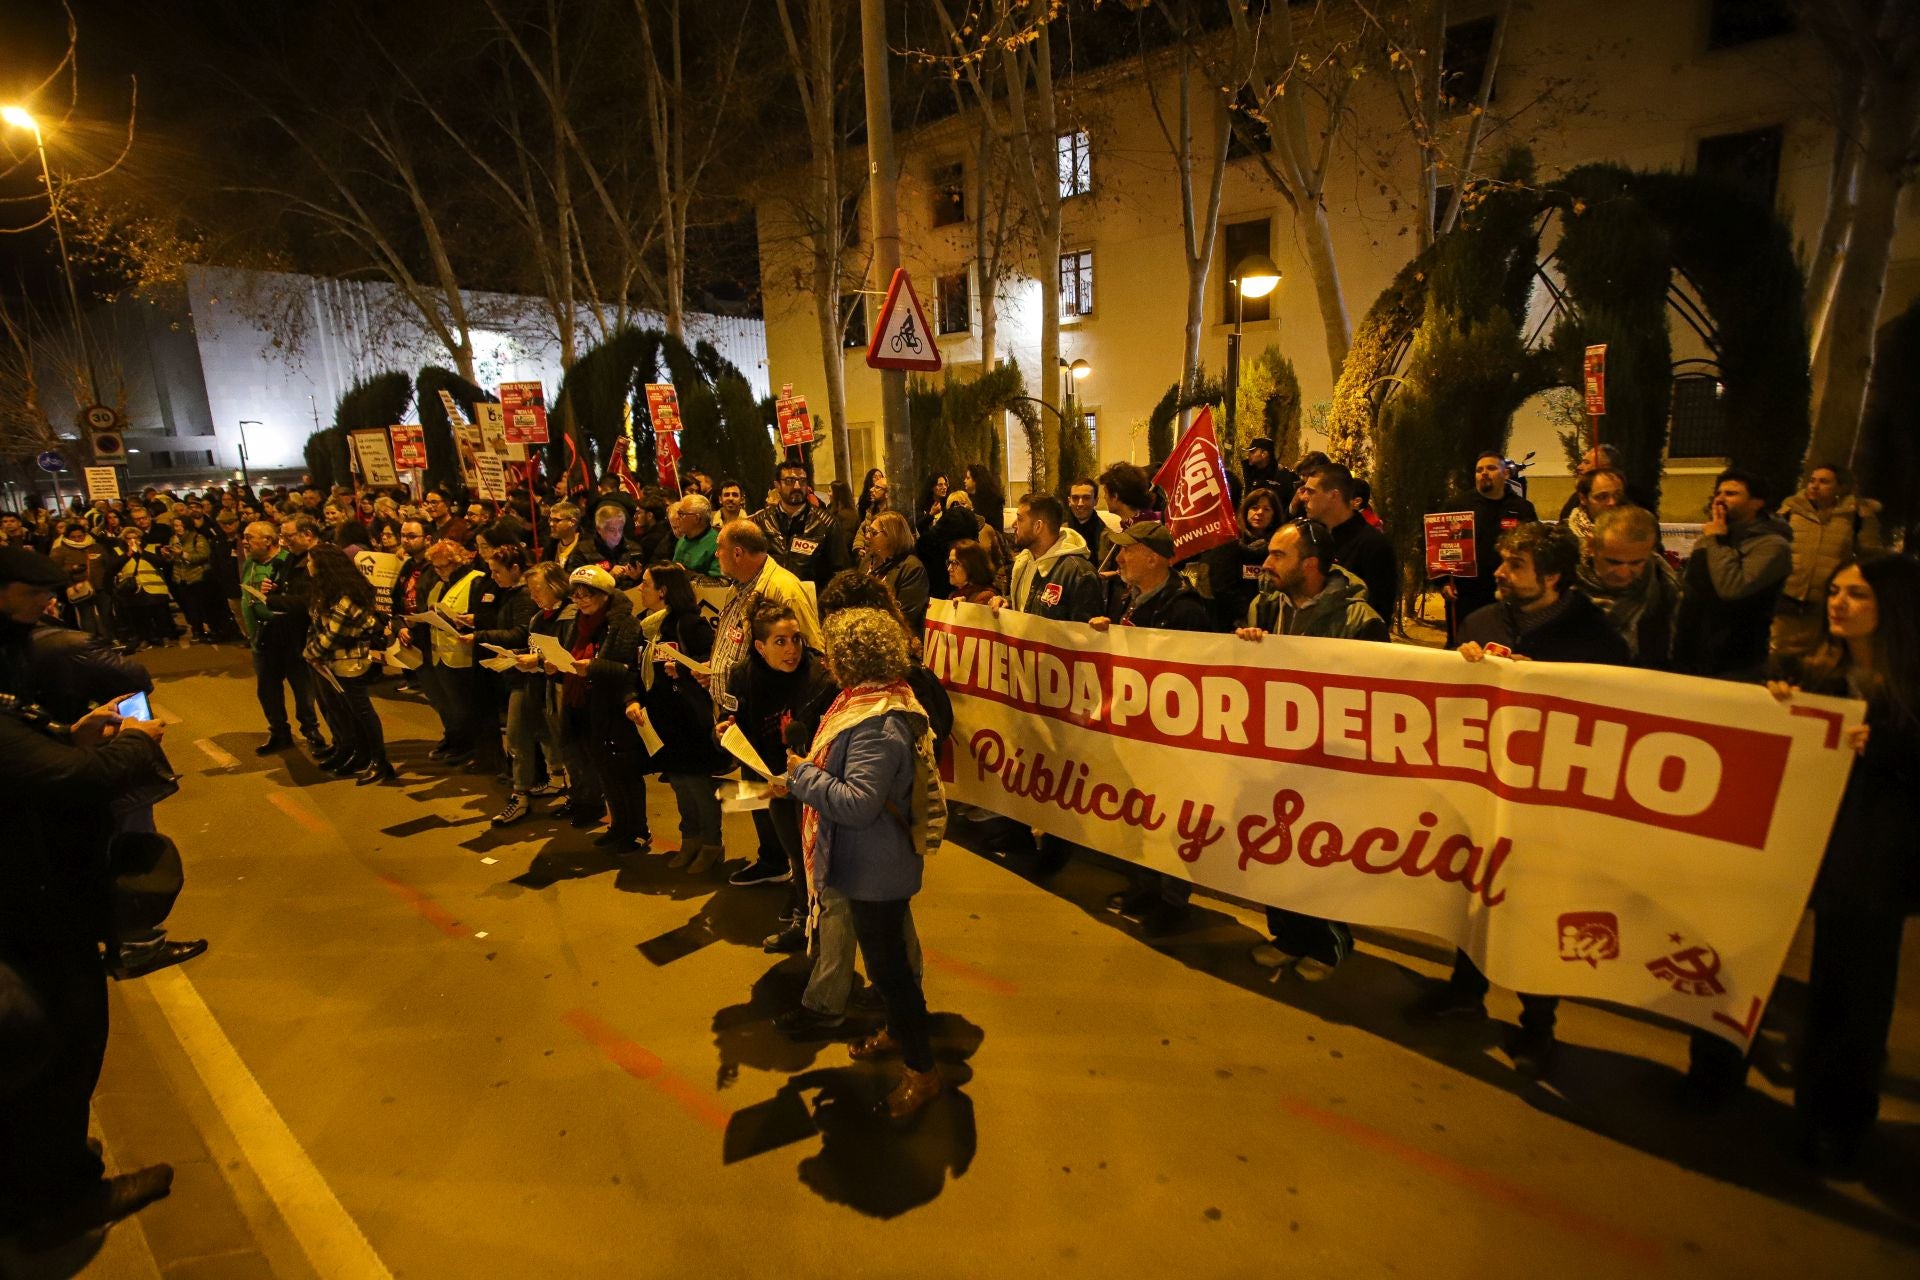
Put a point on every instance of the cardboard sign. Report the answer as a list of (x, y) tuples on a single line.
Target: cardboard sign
[(102, 482), (1595, 368), (490, 477), (524, 405), (663, 407), (1450, 549), (409, 446), (796, 424), (903, 339), (373, 454), (382, 570), (1199, 505), (495, 436)]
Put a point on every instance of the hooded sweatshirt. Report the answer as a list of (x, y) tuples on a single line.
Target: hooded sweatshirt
[(1062, 584), (1339, 612)]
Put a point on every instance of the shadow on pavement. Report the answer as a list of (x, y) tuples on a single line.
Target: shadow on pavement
[(1748, 1142)]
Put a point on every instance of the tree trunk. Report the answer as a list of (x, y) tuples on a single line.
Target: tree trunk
[(1835, 225), (1326, 287), (1855, 313), (826, 310)]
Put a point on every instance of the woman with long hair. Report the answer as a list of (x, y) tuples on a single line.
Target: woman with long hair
[(340, 642), (1869, 880), (933, 502), (680, 711), (989, 500)]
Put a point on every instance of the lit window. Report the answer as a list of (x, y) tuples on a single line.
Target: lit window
[(954, 303), (1091, 421), (1076, 283), (1076, 164)]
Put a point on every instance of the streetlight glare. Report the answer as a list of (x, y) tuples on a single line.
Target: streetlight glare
[(1257, 275), (1079, 369), (19, 118)]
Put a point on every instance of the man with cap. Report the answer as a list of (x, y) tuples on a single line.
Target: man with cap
[(1261, 470), (1161, 599)]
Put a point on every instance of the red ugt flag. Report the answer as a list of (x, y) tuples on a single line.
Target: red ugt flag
[(1199, 506), (617, 467)]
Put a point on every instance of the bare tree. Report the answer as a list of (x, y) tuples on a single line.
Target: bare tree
[(1875, 48)]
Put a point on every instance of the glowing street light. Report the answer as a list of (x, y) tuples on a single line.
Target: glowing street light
[(20, 118), (1254, 276)]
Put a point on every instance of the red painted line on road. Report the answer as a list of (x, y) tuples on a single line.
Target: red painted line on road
[(644, 1066), (426, 908), (300, 811), (1481, 1183), (967, 972)]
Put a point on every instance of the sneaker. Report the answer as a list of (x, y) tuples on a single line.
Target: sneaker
[(1445, 1002), (790, 939), (803, 1023), (762, 873), (517, 808)]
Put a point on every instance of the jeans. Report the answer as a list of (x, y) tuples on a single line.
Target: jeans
[(833, 947), (350, 712), (271, 667), (449, 691), (883, 929), (699, 808), (1537, 1013), (528, 730), (778, 826)]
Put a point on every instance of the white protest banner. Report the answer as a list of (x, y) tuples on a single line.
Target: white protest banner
[(1590, 831), (373, 451), (382, 570), (102, 482)]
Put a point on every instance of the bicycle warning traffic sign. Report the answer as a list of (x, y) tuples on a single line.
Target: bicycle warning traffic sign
[(903, 339)]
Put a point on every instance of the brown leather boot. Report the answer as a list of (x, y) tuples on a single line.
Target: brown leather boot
[(915, 1090), (880, 1044)]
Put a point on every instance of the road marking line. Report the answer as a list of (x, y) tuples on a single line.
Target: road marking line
[(163, 715), (1482, 1184), (970, 973), (426, 908), (216, 753), (325, 1231), (300, 811), (644, 1066)]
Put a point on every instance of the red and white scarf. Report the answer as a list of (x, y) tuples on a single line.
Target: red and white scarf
[(855, 706)]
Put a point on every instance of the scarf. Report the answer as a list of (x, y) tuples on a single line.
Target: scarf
[(586, 642), (928, 821)]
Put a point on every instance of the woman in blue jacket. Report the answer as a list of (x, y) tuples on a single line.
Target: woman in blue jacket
[(861, 828)]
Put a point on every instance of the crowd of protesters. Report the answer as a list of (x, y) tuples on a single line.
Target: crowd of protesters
[(573, 651)]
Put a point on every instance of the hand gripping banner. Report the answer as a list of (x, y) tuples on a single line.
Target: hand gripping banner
[(1578, 830)]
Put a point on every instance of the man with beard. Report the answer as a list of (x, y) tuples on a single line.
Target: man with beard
[(1496, 509), (1537, 617), (801, 535)]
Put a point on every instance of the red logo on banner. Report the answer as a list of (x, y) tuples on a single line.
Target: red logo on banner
[(1693, 971), (1199, 505), (1591, 936)]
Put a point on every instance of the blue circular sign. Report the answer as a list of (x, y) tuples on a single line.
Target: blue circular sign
[(52, 461)]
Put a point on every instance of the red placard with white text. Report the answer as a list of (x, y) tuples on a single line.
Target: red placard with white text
[(1450, 547), (409, 446), (524, 406), (790, 412)]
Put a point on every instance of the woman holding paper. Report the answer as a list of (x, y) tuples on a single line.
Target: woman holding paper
[(595, 694), (679, 711), (869, 784), (340, 650)]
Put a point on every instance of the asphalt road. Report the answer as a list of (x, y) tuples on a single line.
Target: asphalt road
[(419, 1047)]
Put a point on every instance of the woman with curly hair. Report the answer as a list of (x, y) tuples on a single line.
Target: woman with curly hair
[(870, 790), (339, 648)]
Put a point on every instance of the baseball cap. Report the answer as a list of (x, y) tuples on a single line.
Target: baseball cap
[(1259, 442), (1150, 534), (592, 575), (19, 564)]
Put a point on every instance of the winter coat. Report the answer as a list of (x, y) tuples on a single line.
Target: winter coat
[(1233, 575), (680, 711), (1339, 612), (1727, 600), (869, 853), (1061, 584), (769, 700), (807, 545), (611, 675), (513, 615), (1492, 517), (1575, 632), (85, 561), (1825, 540), (956, 524), (1174, 606), (906, 577), (192, 556), (1365, 550)]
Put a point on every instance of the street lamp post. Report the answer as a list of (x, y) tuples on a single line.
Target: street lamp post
[(20, 118), (1254, 276), (245, 479)]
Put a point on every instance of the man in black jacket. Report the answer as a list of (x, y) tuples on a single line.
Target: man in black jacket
[(1326, 494), (1159, 598), (802, 537), (1496, 509), (1538, 617)]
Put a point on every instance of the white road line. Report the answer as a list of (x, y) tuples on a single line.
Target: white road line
[(332, 1241), (216, 753)]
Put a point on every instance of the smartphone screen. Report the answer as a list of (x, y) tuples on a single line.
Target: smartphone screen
[(134, 707)]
